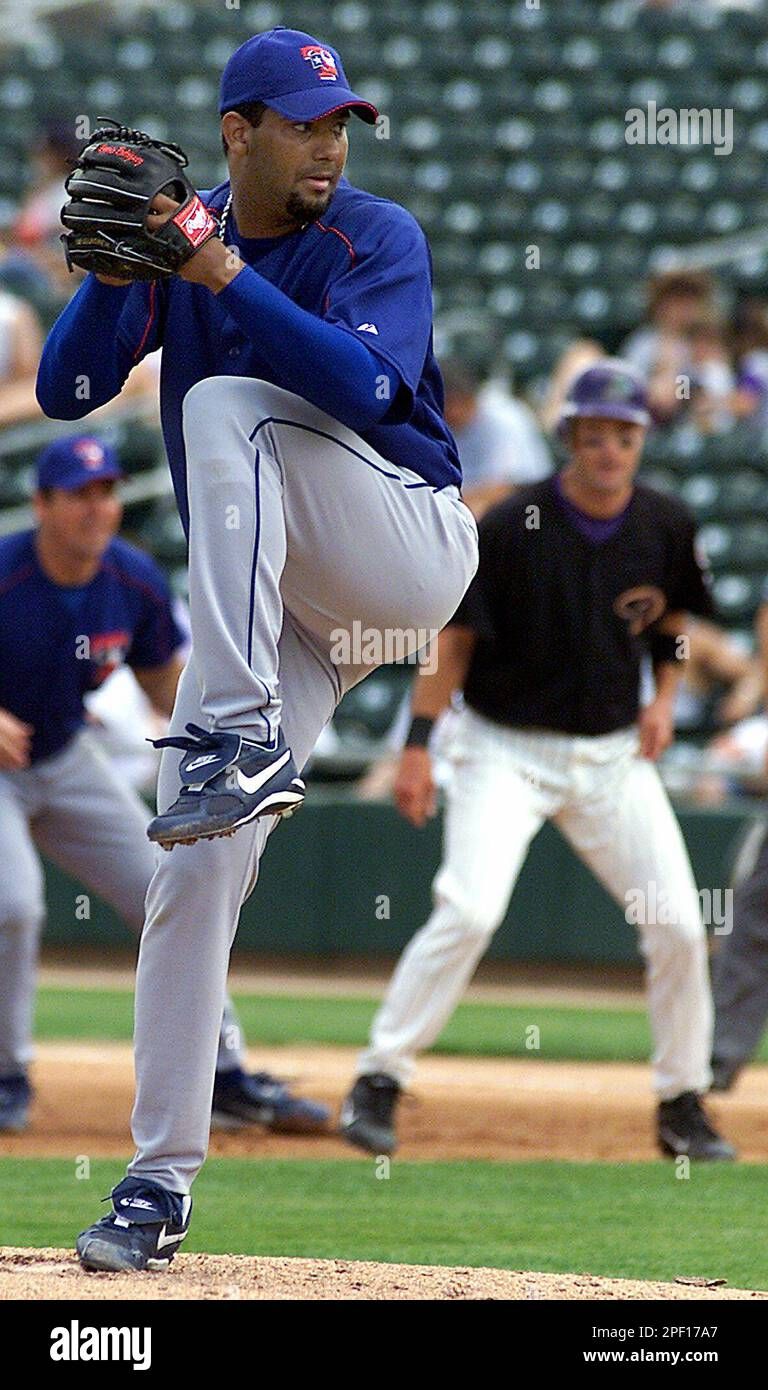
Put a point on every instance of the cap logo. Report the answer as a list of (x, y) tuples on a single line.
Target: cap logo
[(90, 453), (322, 60), (619, 388)]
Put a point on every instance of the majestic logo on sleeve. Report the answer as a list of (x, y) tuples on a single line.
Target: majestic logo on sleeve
[(322, 60), (639, 607)]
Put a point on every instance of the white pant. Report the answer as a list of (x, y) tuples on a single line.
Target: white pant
[(611, 806)]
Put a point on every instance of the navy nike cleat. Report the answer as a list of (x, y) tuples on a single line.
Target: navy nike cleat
[(240, 1099), (15, 1100), (143, 1231), (226, 781)]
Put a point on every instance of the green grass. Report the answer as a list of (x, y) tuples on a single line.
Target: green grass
[(625, 1220), (489, 1030), (483, 1029)]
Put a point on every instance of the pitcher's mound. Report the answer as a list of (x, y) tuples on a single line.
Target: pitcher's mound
[(51, 1274)]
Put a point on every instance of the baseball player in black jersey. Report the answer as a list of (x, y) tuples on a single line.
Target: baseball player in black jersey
[(580, 575)]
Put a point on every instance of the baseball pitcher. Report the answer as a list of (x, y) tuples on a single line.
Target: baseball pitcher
[(319, 486)]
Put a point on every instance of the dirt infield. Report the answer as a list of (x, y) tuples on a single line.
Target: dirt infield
[(461, 1108), (55, 1274)]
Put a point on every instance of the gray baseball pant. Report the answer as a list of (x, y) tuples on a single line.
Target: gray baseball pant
[(740, 968), (74, 808), (299, 532)]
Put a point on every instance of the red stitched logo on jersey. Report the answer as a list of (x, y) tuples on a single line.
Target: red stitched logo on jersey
[(195, 222), (89, 452), (640, 607), (120, 152), (107, 652), (322, 60)]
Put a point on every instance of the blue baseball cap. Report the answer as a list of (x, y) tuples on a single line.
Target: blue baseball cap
[(71, 463), (297, 76), (608, 390)]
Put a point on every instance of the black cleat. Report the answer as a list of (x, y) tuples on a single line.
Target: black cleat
[(143, 1231), (683, 1128), (367, 1114), (725, 1073)]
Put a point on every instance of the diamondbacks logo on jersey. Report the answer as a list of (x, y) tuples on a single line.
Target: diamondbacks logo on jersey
[(639, 607), (107, 652), (322, 60)]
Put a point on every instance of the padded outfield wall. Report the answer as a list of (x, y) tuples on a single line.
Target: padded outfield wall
[(351, 878)]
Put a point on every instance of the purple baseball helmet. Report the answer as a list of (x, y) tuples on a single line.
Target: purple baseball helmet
[(609, 390)]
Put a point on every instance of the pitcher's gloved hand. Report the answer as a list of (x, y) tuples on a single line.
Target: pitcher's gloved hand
[(111, 190)]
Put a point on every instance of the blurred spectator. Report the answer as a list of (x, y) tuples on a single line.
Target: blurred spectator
[(499, 441), (725, 685), (661, 348), (750, 350), (712, 377), (37, 228), (577, 357), (21, 341)]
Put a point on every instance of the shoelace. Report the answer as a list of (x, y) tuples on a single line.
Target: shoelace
[(199, 740)]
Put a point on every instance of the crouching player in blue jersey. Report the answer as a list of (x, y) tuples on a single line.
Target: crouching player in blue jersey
[(75, 602), (319, 485)]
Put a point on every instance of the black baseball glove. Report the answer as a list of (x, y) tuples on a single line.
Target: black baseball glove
[(110, 196)]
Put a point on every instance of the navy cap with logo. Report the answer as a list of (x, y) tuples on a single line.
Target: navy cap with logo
[(295, 74), (608, 390), (74, 462)]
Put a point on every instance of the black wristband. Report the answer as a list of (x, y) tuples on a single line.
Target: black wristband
[(419, 732)]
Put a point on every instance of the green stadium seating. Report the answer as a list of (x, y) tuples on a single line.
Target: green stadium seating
[(507, 129)]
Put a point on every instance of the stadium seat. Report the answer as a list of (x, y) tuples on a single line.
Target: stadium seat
[(737, 597), (508, 131)]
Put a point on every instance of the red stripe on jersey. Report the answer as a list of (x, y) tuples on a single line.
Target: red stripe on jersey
[(150, 320), (344, 238)]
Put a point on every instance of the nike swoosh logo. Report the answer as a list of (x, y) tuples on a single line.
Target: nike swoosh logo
[(252, 784), (202, 762), (163, 1239)]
